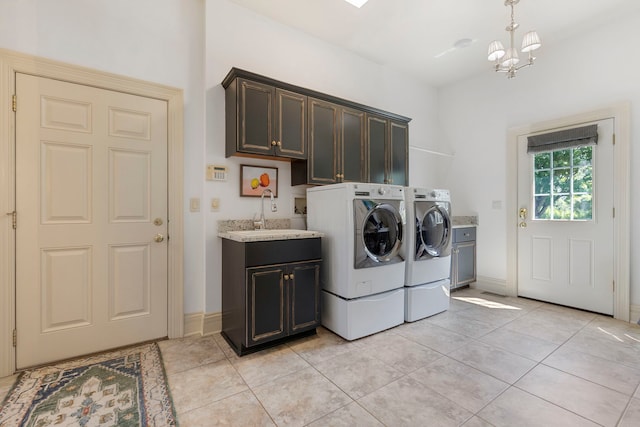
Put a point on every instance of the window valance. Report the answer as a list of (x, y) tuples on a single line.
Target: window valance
[(568, 138)]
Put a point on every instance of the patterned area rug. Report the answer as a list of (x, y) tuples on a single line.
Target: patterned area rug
[(121, 388)]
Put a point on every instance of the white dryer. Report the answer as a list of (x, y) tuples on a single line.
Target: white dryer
[(427, 252), (362, 263)]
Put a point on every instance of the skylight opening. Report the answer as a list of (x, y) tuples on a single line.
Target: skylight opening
[(357, 3)]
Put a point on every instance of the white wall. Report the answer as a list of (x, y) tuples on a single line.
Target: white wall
[(575, 76), (161, 41), (239, 38), (164, 41)]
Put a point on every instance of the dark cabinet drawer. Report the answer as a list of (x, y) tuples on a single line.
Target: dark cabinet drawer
[(282, 251)]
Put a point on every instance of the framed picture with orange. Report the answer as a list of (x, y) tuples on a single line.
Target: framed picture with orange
[(254, 180)]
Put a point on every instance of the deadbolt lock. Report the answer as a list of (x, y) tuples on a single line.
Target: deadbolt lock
[(157, 221)]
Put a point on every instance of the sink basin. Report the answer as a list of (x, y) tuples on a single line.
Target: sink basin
[(268, 234)]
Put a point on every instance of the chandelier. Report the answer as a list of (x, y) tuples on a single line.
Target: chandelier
[(507, 60)]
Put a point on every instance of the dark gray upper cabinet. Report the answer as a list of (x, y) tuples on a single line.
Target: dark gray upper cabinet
[(336, 146), (323, 142), (329, 139), (265, 120), (291, 124), (399, 152), (353, 165), (387, 150), (377, 135)]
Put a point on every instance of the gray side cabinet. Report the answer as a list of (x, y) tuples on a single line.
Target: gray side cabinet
[(463, 259)]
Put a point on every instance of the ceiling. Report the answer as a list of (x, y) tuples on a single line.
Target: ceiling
[(418, 36)]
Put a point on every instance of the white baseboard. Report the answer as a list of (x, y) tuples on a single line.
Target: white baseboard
[(490, 284), (212, 323), (634, 315), (192, 324), (202, 323)]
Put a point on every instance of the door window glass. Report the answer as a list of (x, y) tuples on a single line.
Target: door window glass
[(563, 184), (382, 232), (434, 231)]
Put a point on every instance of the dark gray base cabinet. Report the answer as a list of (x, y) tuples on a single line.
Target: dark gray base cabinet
[(463, 259), (270, 291)]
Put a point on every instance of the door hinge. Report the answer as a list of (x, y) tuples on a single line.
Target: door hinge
[(14, 219), (15, 337), (14, 103), (614, 139), (613, 285), (614, 212)]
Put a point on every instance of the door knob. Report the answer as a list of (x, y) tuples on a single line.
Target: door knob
[(158, 237), (522, 214)]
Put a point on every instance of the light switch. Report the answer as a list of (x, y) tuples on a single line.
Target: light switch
[(215, 204), (194, 204)]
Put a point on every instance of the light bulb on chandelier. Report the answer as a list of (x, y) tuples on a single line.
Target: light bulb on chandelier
[(507, 60)]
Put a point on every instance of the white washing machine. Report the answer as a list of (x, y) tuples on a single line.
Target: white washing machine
[(362, 265), (427, 252)]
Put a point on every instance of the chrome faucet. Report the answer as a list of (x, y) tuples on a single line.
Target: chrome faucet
[(260, 225)]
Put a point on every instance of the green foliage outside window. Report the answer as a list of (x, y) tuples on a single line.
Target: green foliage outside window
[(563, 184)]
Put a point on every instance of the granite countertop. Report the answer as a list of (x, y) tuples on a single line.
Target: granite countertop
[(464, 221), (277, 229), (267, 235)]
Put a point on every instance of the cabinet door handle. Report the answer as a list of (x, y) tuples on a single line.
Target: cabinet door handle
[(286, 277), (279, 143), (273, 143), (291, 276)]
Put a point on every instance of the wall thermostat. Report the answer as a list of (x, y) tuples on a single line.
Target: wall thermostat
[(216, 173)]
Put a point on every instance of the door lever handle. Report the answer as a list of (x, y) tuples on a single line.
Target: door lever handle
[(523, 216), (523, 213)]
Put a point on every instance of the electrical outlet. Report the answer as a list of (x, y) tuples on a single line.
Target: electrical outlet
[(215, 204), (194, 204)]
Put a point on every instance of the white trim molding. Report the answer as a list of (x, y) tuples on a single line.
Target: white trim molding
[(202, 323), (14, 62), (635, 314), (621, 198), (490, 284)]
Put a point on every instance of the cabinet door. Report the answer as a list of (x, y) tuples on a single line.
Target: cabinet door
[(352, 146), (466, 263), (323, 142), (255, 107), (266, 304), (377, 131), (304, 294), (291, 124), (399, 161)]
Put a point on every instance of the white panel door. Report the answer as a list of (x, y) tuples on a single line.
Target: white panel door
[(567, 260), (91, 197)]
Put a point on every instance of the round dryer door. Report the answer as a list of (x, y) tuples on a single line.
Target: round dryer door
[(382, 232), (435, 232)]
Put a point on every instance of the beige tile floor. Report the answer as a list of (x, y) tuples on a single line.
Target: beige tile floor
[(488, 361)]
